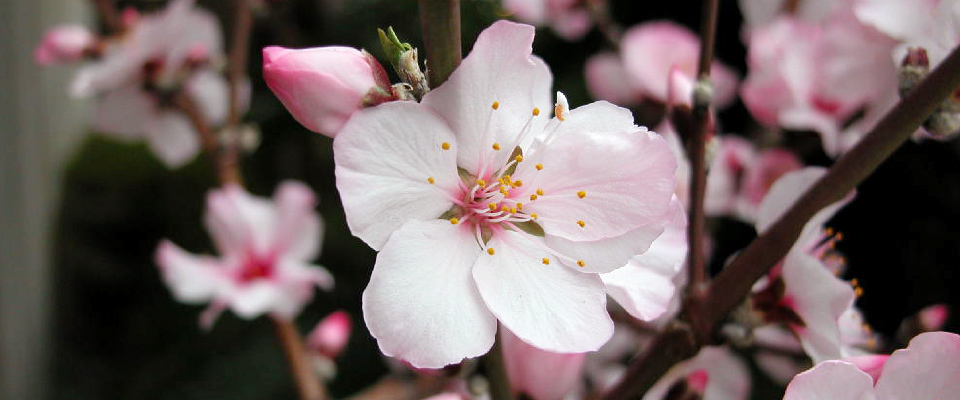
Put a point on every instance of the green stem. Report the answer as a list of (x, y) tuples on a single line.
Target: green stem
[(440, 22)]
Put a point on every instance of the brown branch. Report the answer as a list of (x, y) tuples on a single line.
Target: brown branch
[(600, 11), (440, 23), (732, 285), (497, 372), (308, 383), (109, 16)]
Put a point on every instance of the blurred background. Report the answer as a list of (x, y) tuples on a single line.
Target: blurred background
[(84, 314)]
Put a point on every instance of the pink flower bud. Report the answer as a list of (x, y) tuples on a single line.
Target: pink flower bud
[(697, 381), (331, 334), (64, 44), (932, 318), (320, 86)]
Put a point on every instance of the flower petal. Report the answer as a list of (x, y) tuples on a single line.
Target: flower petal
[(421, 303), (499, 69), (239, 222), (538, 373), (299, 231), (385, 156), (548, 306), (126, 112), (192, 279), (172, 139), (819, 298), (614, 182), (927, 369), (727, 376), (608, 80), (831, 380), (786, 191)]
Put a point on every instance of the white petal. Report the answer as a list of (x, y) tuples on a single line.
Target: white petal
[(192, 279), (385, 156), (786, 191), (548, 306), (126, 112), (499, 69), (831, 380), (927, 369), (421, 304), (172, 139), (299, 231), (728, 376), (819, 298), (604, 255), (239, 222)]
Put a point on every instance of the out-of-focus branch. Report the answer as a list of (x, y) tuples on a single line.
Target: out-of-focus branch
[(236, 70), (109, 16), (497, 372), (308, 384), (440, 23), (733, 284), (600, 11)]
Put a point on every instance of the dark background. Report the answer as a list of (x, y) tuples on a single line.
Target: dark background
[(120, 335)]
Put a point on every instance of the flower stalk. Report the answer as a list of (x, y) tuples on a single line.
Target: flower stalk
[(308, 386)]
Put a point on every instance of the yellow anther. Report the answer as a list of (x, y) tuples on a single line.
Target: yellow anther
[(858, 291), (533, 197), (496, 146), (839, 236), (445, 146), (581, 223), (581, 263), (482, 182), (539, 167), (454, 220), (490, 251), (518, 158), (536, 111), (854, 282), (505, 208), (503, 189), (581, 194), (520, 206), (540, 192), (495, 105), (506, 178), (493, 206), (558, 111), (828, 231), (546, 261), (534, 215), (431, 180), (513, 210), (517, 183)]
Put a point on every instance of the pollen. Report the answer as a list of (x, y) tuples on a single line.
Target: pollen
[(495, 105), (536, 111), (481, 182), (540, 192), (534, 215), (839, 236), (520, 206), (517, 183), (513, 210), (505, 209), (490, 251), (518, 158), (539, 167), (496, 146), (533, 197), (581, 263), (454, 220), (546, 261), (503, 189), (431, 180), (445, 146), (581, 223), (858, 291), (581, 194), (493, 206), (558, 111)]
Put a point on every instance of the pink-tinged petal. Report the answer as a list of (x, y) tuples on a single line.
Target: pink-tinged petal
[(260, 297), (331, 335), (532, 11), (727, 376), (769, 166), (757, 13), (733, 158), (211, 94), (626, 179), (608, 80), (126, 113), (831, 380), (679, 88), (385, 157), (933, 317), (189, 30), (819, 298), (320, 86), (299, 231), (604, 255), (927, 369), (871, 364), (64, 44), (644, 287), (903, 20), (421, 303), (778, 367), (238, 222), (856, 336), (786, 191), (446, 396), (192, 279), (172, 139), (499, 69), (538, 373), (572, 24), (548, 306)]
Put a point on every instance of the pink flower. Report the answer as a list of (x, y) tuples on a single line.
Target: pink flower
[(484, 210), (265, 248), (607, 79), (817, 76), (901, 20), (570, 19), (539, 374), (323, 86), (331, 335), (716, 373), (64, 44), (933, 317), (927, 369)]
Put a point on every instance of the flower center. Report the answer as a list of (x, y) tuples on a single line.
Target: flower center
[(256, 267)]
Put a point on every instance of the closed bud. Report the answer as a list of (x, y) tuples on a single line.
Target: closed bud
[(64, 44), (331, 335)]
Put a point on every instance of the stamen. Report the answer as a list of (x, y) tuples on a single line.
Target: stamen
[(490, 251), (445, 146), (539, 167), (533, 197), (581, 194), (546, 261), (540, 192), (495, 105), (482, 183), (520, 206), (581, 223), (536, 111), (517, 183), (454, 220), (431, 180), (534, 215), (513, 210), (581, 263), (505, 208), (518, 158), (496, 146), (493, 206)]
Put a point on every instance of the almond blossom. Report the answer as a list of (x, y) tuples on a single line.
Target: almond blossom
[(927, 369), (715, 373), (570, 19), (484, 209), (265, 252), (63, 44), (136, 72)]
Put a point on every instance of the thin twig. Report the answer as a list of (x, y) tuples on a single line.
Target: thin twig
[(733, 284), (308, 384), (440, 23)]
